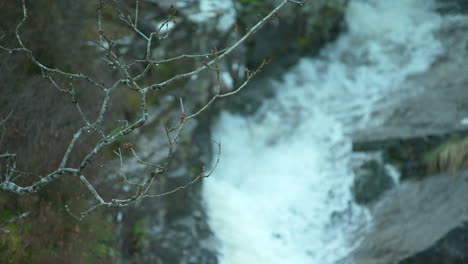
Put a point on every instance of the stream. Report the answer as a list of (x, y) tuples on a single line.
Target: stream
[(281, 193)]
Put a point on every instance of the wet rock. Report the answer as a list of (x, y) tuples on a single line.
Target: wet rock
[(451, 249), (452, 6), (295, 32), (438, 104), (423, 219), (405, 154), (372, 180), (412, 218), (317, 22), (418, 157)]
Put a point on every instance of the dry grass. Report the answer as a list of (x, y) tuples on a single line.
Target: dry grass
[(449, 157)]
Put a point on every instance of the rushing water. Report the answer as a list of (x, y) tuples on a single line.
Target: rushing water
[(281, 193)]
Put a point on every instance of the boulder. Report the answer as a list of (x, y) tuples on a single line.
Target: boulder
[(412, 218), (451, 249), (372, 180)]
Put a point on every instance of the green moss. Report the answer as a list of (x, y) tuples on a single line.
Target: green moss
[(14, 247), (139, 229), (303, 43), (6, 214), (103, 245), (139, 234), (12, 241), (59, 236)]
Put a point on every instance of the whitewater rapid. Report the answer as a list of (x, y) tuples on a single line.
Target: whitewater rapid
[(281, 193)]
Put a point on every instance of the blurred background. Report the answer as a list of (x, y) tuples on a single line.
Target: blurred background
[(362, 110)]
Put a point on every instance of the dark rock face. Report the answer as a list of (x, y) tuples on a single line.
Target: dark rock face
[(173, 228), (453, 6), (372, 180), (297, 31), (182, 237), (412, 217), (410, 156), (451, 249)]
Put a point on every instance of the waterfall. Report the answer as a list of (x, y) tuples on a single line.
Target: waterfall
[(281, 193)]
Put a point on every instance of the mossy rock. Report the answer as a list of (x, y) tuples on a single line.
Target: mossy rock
[(372, 180), (408, 155)]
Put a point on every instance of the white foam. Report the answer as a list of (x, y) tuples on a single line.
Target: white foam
[(210, 10), (281, 193), (464, 121)]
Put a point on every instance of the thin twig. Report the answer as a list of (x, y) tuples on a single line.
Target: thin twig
[(13, 219), (134, 82)]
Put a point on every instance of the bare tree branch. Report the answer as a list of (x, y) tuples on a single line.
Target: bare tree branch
[(2, 125), (126, 79)]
